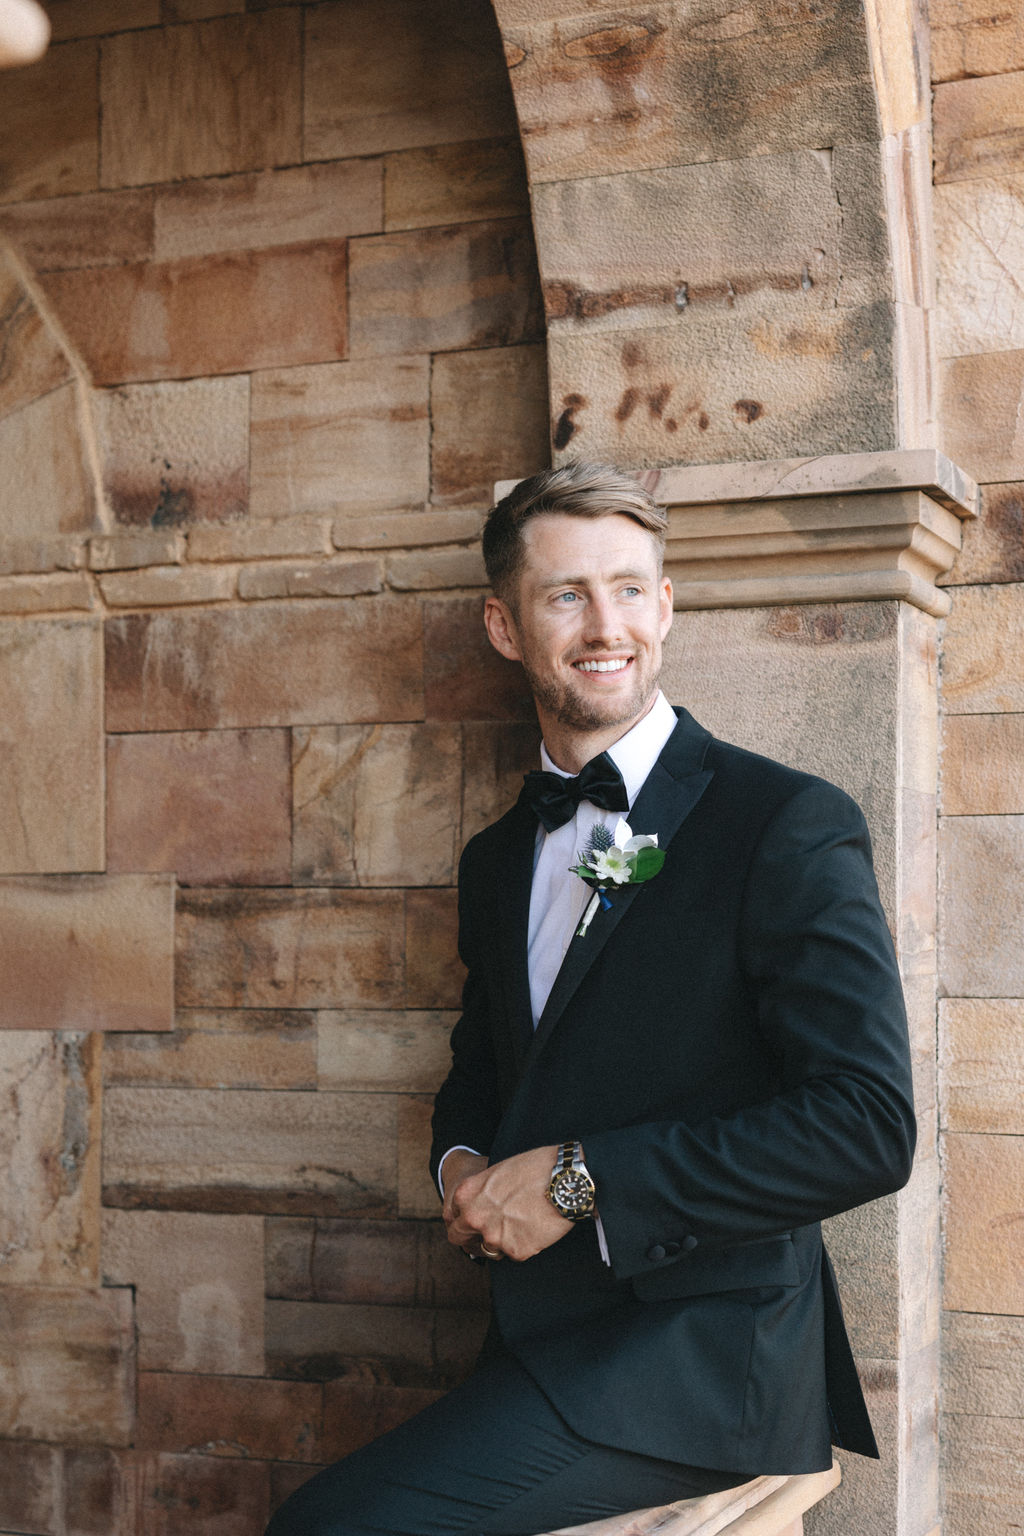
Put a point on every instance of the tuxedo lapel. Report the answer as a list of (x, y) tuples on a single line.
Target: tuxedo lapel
[(513, 878), (673, 788)]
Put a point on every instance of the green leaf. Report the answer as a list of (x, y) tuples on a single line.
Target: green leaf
[(648, 863)]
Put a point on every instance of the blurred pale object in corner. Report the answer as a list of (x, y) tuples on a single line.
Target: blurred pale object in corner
[(24, 32)]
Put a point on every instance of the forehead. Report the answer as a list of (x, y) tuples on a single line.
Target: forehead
[(559, 547)]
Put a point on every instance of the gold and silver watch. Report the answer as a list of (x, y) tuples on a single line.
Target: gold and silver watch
[(571, 1190)]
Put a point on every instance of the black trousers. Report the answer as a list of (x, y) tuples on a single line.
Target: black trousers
[(493, 1458)]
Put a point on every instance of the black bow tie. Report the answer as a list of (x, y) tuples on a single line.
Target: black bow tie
[(553, 800)]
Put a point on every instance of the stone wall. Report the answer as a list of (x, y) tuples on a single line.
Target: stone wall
[(270, 326)]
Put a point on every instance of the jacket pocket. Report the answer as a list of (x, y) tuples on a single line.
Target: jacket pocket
[(770, 1261)]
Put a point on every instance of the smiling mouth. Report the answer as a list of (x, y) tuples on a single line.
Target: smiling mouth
[(619, 664)]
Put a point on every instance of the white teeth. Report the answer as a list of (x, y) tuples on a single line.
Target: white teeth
[(602, 666)]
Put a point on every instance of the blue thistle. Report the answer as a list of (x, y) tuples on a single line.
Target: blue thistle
[(601, 839)]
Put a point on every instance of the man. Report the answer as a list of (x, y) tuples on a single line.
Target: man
[(654, 1097)]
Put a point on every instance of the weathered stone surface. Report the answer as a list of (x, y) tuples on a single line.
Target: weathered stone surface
[(283, 664), (172, 107), (979, 127), (354, 1415), (435, 569), (496, 757), (51, 727), (404, 1346), (444, 290), (993, 544), (984, 1195), (259, 540), (28, 1482), (799, 380), (230, 1416), (38, 555), (454, 183), (32, 360), (286, 1477), (464, 677), (51, 125), (982, 1359), (48, 486), (132, 551), (214, 806), (290, 949), (979, 938), (376, 805), (99, 1488), (87, 18), (215, 1495), (608, 93), (981, 399), (199, 1150), (400, 1263), (970, 37), (417, 1192), (167, 586), (200, 10), (408, 529), (982, 765), (360, 98), (489, 419), (94, 229), (86, 952), (983, 1064), (345, 437), (336, 578), (259, 210), (46, 594), (50, 1145), (983, 654), (67, 1364), (381, 1052), (215, 314), (984, 1474), (979, 238), (218, 1048), (198, 1281), (173, 453), (433, 971)]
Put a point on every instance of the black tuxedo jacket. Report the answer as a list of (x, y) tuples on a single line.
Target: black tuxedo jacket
[(729, 1043)]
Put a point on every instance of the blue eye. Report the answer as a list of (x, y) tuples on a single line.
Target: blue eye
[(566, 597)]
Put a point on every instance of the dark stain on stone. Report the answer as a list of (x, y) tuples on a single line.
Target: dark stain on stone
[(628, 404), (564, 301), (703, 421), (174, 505), (671, 425), (565, 427), (657, 401), (1001, 531), (633, 355), (830, 623), (74, 1141), (748, 410)]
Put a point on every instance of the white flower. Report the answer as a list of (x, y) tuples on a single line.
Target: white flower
[(613, 864), (625, 840)]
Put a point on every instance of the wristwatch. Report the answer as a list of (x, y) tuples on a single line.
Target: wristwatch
[(571, 1190)]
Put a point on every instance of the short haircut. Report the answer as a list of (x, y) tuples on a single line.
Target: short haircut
[(577, 489)]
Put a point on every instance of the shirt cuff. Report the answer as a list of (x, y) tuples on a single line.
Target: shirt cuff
[(440, 1166)]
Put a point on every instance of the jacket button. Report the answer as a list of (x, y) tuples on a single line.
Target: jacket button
[(672, 1249), (689, 1243), (656, 1253)]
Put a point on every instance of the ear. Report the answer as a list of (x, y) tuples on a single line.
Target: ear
[(665, 606), (501, 629)]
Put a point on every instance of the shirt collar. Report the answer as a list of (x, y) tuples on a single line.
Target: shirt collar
[(636, 753)]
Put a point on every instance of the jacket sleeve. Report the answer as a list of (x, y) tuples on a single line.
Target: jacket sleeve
[(816, 953)]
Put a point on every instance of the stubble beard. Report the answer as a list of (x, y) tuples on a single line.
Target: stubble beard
[(577, 713)]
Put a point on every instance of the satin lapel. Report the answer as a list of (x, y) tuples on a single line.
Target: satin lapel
[(672, 790), (513, 880)]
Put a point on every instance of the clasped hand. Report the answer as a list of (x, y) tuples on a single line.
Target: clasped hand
[(502, 1208)]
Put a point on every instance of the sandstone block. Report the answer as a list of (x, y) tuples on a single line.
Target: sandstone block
[(376, 805), (983, 1197), (983, 658), (464, 677), (132, 551), (216, 314), (68, 1365), (32, 360), (259, 540), (40, 555), (46, 594), (381, 1052), (172, 107), (236, 1151), (88, 18), (993, 545), (454, 183), (979, 938), (343, 437), (51, 709), (982, 1364), (404, 1346), (201, 10), (51, 122), (361, 99), (405, 529), (398, 1263), (218, 1048), (971, 39), (175, 452), (435, 569), (283, 664), (28, 1482), (99, 1492), (94, 229), (217, 1496), (198, 1284), (214, 806), (983, 1064), (979, 127), (489, 414), (444, 290), (230, 1416), (979, 413), (167, 586), (285, 1478), (984, 1473), (290, 949), (979, 236), (347, 578), (982, 765), (433, 971), (50, 1144), (267, 208), (49, 487), (496, 756), (417, 1192), (354, 1415), (603, 94), (87, 952)]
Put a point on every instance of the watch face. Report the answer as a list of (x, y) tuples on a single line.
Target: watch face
[(573, 1191)]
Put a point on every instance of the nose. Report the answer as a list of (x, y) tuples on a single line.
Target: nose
[(602, 627)]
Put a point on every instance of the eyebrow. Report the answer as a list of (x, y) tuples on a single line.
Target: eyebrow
[(583, 581)]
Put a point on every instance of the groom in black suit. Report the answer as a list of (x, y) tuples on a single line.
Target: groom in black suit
[(658, 1089)]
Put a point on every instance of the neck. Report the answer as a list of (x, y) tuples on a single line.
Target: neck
[(572, 749)]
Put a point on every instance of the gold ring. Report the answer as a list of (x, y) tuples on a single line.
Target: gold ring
[(489, 1253)]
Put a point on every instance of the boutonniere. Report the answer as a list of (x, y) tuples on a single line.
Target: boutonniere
[(615, 858)]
